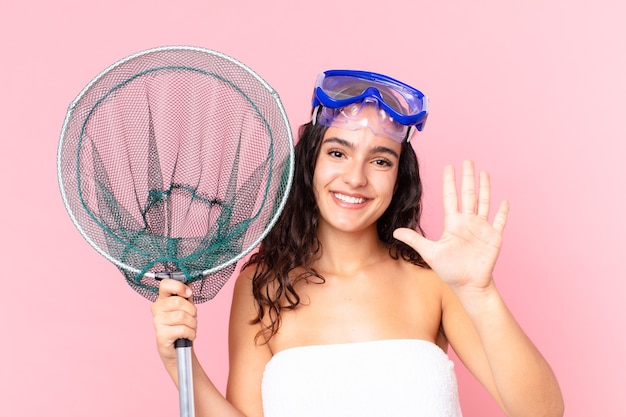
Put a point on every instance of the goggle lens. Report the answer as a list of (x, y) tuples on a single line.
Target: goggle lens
[(353, 117), (405, 101)]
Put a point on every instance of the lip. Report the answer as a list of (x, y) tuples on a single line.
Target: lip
[(349, 200)]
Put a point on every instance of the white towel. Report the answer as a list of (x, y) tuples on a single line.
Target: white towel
[(384, 378)]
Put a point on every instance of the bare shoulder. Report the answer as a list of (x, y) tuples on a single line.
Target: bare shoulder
[(244, 308), (423, 276), (437, 289), (248, 355), (243, 283), (415, 294), (433, 298)]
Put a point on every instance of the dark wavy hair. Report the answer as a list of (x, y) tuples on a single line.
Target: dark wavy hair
[(286, 254)]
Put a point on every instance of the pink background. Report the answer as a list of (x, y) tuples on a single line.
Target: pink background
[(533, 91)]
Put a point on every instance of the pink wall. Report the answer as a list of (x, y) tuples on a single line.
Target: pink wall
[(533, 91)]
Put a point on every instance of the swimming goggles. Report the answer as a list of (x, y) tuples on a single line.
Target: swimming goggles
[(340, 96)]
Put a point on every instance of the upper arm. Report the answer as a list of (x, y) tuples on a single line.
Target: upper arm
[(463, 338), (247, 356)]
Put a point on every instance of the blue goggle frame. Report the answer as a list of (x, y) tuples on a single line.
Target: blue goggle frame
[(407, 105)]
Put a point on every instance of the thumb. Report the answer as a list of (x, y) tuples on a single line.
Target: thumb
[(169, 287), (414, 240)]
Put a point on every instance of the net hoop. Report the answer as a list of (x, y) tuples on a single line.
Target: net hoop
[(209, 52)]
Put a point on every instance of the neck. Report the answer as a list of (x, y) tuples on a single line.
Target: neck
[(347, 252)]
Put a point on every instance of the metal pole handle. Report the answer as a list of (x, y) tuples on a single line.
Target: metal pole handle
[(185, 377)]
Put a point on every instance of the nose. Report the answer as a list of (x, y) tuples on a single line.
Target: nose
[(355, 174)]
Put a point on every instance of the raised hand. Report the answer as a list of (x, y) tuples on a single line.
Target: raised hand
[(467, 251)]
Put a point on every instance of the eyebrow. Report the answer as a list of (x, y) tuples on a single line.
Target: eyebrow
[(350, 145)]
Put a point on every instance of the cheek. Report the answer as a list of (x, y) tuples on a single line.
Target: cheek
[(390, 183), (323, 174)]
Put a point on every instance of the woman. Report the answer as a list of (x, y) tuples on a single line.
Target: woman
[(347, 309)]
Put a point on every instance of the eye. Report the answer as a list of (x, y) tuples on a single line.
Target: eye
[(382, 162), (335, 153)]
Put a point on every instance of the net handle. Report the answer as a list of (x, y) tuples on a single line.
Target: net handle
[(183, 359)]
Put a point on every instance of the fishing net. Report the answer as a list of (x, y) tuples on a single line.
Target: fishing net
[(176, 161)]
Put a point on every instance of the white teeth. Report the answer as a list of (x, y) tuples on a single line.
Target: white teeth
[(348, 199)]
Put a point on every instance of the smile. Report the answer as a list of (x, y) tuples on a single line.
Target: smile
[(349, 199)]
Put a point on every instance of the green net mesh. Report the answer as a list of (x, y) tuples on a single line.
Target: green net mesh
[(176, 160)]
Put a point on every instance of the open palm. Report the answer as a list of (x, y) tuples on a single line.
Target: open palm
[(467, 251)]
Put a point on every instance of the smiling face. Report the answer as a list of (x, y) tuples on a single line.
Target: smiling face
[(355, 177)]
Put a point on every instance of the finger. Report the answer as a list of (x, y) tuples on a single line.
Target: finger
[(179, 332), (168, 330), (415, 240), (450, 200), (468, 188), (169, 304), (176, 318), (499, 220), (169, 287), (484, 195)]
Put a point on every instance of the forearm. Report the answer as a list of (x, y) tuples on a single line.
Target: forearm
[(524, 381), (209, 401)]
